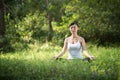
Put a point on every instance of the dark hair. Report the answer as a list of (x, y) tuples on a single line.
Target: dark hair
[(74, 23)]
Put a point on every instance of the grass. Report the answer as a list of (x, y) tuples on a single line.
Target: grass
[(37, 63)]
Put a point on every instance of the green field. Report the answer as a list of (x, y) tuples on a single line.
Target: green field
[(36, 63)]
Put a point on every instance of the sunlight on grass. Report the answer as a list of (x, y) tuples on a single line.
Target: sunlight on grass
[(37, 63)]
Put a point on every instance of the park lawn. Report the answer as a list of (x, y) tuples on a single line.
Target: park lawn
[(37, 63)]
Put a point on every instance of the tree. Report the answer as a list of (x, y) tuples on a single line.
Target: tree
[(2, 24), (49, 21), (53, 11)]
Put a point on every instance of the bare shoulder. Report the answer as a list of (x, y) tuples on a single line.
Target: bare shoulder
[(66, 39), (81, 39)]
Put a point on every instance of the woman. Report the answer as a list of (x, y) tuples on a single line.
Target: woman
[(75, 44)]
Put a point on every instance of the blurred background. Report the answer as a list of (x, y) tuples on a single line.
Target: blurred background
[(24, 22)]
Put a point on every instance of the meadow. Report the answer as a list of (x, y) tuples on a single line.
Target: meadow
[(37, 63)]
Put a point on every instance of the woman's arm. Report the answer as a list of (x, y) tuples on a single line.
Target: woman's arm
[(63, 50), (85, 50)]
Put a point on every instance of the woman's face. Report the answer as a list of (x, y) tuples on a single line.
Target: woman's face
[(73, 28)]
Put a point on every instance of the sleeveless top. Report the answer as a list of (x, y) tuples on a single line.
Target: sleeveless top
[(74, 50)]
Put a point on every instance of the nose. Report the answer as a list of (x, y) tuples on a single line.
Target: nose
[(73, 29)]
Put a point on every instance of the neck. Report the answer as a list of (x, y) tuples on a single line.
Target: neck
[(74, 35)]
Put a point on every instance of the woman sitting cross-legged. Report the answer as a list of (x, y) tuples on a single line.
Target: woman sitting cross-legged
[(75, 45)]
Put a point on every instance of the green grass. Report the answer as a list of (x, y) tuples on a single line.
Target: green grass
[(37, 63)]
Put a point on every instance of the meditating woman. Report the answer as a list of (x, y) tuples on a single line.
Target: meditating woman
[(75, 45)]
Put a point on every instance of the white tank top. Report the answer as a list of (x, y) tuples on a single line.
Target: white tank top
[(75, 50)]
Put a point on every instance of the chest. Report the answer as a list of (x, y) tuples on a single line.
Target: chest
[(73, 41), (75, 46)]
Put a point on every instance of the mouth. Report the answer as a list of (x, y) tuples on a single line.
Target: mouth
[(73, 31)]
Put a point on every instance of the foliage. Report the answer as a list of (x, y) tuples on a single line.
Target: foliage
[(98, 20), (26, 21)]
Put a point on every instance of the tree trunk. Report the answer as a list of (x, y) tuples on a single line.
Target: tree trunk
[(49, 22), (50, 29), (2, 25)]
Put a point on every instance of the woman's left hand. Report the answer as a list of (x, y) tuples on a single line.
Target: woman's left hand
[(92, 57)]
